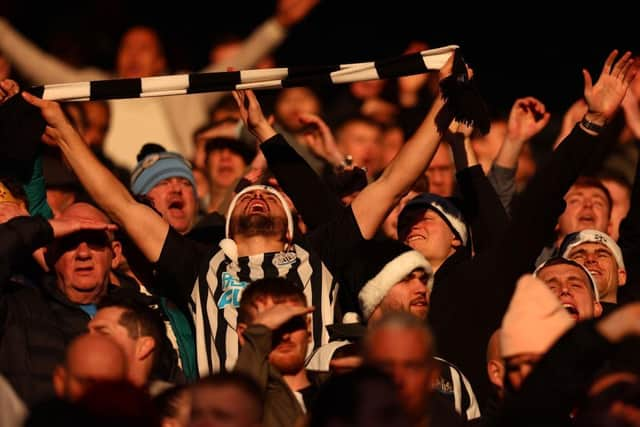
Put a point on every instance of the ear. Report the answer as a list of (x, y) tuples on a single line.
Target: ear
[(145, 347), (59, 379), (240, 330), (622, 277), (116, 249), (456, 243), (597, 309), (495, 370)]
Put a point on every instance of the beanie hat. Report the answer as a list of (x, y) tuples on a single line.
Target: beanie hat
[(227, 244), (591, 236), (155, 167), (243, 149), (445, 207), (388, 262), (561, 260), (534, 320)]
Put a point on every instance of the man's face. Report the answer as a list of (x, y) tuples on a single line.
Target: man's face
[(224, 167), (175, 199), (572, 287), (363, 141), (258, 213), (222, 406), (97, 123), (599, 260), (441, 172), (404, 354), (107, 322), (140, 54), (432, 237), (587, 207), (290, 342), (293, 102), (409, 295), (82, 261)]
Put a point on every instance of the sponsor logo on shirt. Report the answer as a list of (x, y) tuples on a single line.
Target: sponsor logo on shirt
[(231, 291)]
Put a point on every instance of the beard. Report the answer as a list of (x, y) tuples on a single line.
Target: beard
[(260, 225)]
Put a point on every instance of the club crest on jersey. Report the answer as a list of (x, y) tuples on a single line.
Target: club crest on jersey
[(231, 291), (284, 258)]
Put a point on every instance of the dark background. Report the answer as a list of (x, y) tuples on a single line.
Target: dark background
[(525, 48)]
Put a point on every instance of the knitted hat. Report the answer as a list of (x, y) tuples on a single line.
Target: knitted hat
[(389, 262), (591, 236), (560, 260), (534, 320), (445, 207), (155, 167)]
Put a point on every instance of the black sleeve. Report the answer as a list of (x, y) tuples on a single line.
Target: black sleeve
[(177, 267), (629, 242), (558, 381), (314, 201), (469, 299), (482, 207), (19, 237)]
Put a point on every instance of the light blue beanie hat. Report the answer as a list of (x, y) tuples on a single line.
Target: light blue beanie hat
[(155, 167)]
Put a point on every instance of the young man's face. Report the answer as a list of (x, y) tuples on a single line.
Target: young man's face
[(140, 54), (409, 295), (441, 172), (432, 237), (224, 167), (175, 199), (572, 287), (599, 260), (587, 207)]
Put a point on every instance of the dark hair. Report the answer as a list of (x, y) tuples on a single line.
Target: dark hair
[(238, 147), (140, 320), (276, 288), (16, 189), (239, 380)]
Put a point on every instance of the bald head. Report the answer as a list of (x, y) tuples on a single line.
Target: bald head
[(89, 359), (84, 211)]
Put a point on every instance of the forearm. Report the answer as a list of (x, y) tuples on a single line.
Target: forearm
[(313, 200), (503, 181), (36, 65), (147, 229), (36, 192), (373, 203), (509, 152), (253, 358), (463, 154)]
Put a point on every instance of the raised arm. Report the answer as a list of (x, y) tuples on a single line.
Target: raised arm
[(147, 229), (36, 65)]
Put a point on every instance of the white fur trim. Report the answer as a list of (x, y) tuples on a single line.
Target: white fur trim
[(271, 190), (393, 272)]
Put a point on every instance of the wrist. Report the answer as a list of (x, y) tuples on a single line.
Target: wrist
[(593, 123)]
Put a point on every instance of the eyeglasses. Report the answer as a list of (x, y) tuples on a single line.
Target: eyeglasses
[(154, 158)]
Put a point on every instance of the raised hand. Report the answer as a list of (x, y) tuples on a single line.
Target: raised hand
[(252, 115), (528, 116), (290, 12), (53, 115), (605, 96), (8, 88), (65, 226), (320, 138), (277, 315)]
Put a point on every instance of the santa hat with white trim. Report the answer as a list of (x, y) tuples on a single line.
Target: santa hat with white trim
[(389, 262)]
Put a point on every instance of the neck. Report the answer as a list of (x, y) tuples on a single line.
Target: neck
[(139, 374), (611, 298), (257, 245), (297, 381)]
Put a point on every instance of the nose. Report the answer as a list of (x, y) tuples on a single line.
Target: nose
[(83, 251)]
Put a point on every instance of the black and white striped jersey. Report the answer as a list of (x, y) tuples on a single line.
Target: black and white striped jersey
[(218, 289)]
